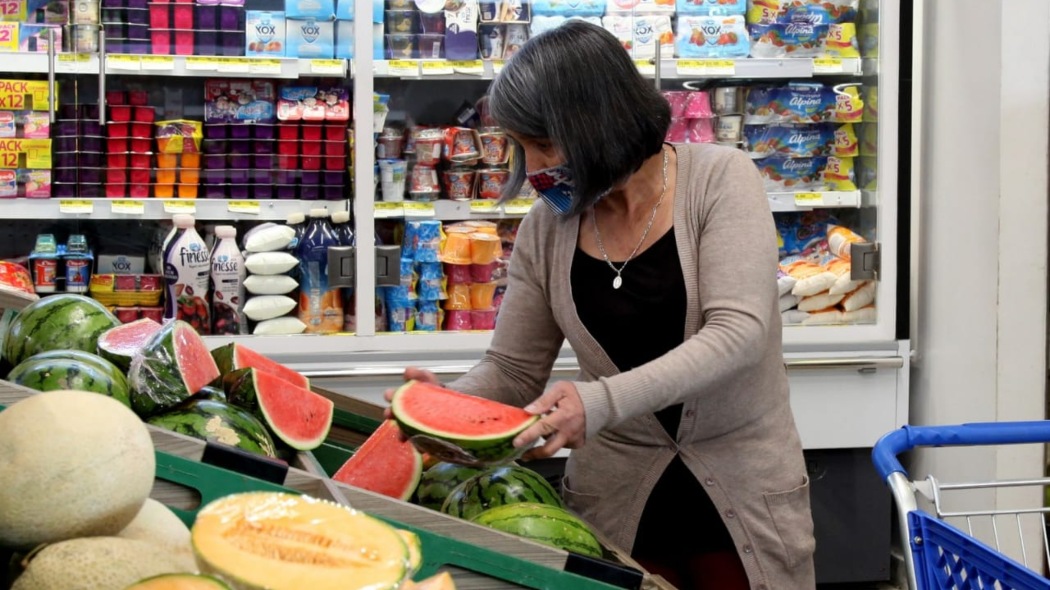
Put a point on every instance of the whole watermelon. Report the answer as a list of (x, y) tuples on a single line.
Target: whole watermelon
[(57, 322), (52, 374), (439, 481), (499, 486)]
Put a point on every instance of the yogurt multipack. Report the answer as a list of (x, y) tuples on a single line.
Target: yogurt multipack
[(239, 101), (264, 33), (712, 37), (313, 103), (311, 38)]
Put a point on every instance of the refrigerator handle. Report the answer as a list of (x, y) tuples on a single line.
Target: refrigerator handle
[(102, 76), (52, 88)]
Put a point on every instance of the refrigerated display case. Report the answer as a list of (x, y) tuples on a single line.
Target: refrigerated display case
[(848, 373)]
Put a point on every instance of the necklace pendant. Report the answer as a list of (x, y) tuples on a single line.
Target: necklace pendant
[(617, 282)]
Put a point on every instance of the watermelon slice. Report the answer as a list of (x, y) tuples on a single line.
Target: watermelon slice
[(118, 345), (385, 464), (296, 415), (233, 357), (171, 367), (483, 428)]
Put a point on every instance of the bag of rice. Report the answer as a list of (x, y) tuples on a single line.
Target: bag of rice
[(859, 298), (864, 315), (811, 277), (270, 263), (285, 325), (819, 302), (265, 307), (269, 239), (270, 285)]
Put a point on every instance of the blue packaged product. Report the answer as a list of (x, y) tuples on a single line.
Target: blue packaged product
[(304, 9), (568, 8), (795, 103), (431, 285), (711, 37), (428, 316), (320, 306), (711, 7), (799, 232), (801, 141), (425, 238), (764, 12), (801, 39), (312, 38)]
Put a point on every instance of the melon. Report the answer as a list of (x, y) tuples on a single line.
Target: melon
[(232, 357), (543, 523), (120, 344), (49, 371), (297, 416), (57, 322), (385, 464), (76, 464), (483, 428), (441, 581), (283, 541), (218, 421), (499, 486), (179, 582), (95, 563), (171, 367), (415, 550), (438, 482), (157, 524)]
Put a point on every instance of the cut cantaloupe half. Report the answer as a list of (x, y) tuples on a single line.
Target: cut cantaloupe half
[(179, 582), (442, 581), (283, 541)]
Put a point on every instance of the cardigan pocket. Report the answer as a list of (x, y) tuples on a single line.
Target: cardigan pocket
[(790, 512)]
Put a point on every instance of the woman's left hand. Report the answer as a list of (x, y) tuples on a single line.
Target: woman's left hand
[(563, 423)]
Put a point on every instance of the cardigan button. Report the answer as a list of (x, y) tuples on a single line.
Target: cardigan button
[(747, 549), (690, 413), (730, 514), (709, 482)]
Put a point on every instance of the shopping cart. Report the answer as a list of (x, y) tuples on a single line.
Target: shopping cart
[(940, 555)]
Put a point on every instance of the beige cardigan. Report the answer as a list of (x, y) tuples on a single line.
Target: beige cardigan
[(737, 433)]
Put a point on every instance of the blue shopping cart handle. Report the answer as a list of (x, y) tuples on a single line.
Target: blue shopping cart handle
[(884, 455)]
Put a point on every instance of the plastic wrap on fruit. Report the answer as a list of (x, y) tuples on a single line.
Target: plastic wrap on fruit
[(173, 365), (711, 37)]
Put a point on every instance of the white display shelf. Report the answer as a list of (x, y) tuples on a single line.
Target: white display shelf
[(806, 201), (184, 66), (203, 209)]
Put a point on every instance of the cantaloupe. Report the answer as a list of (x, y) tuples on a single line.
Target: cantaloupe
[(157, 524), (94, 563), (415, 550), (441, 581), (75, 464), (179, 582), (282, 541)]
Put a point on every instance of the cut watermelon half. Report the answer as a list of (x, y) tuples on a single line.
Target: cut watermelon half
[(296, 415), (119, 345), (171, 367), (232, 357), (483, 428), (385, 464)]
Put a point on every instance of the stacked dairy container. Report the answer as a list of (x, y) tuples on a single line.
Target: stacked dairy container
[(270, 286)]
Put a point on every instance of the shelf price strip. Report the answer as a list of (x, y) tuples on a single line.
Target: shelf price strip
[(474, 67), (157, 63), (827, 65), (127, 63), (706, 67), (809, 200), (403, 67), (386, 210), (187, 206), (128, 207), (437, 67), (518, 206), (328, 67), (250, 207), (75, 206), (484, 206)]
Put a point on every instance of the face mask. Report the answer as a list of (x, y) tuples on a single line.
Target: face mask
[(555, 186)]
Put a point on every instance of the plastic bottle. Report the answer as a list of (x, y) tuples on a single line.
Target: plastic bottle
[(187, 266), (341, 225), (77, 259), (298, 221), (320, 307), (227, 279)]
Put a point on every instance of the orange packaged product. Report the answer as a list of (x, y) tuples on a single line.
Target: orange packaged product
[(485, 248), (459, 297), (457, 246), (481, 295)]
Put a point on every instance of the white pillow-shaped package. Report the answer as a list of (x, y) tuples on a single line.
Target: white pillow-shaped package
[(859, 298), (793, 317), (269, 239), (285, 325), (270, 285), (823, 317), (265, 307), (788, 301), (270, 263), (864, 315), (819, 302)]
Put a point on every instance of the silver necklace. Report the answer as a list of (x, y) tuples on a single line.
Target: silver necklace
[(618, 281)]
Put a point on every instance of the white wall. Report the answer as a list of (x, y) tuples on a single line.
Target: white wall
[(982, 235)]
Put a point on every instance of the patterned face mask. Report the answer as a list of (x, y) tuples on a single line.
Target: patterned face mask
[(555, 186)]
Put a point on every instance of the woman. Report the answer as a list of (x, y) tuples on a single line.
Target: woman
[(657, 262)]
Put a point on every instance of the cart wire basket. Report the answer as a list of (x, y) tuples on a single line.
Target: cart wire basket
[(939, 555)]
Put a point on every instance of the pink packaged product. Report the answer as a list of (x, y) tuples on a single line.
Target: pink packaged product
[(239, 101), (313, 103)]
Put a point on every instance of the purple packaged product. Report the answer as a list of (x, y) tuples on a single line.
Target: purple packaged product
[(263, 131), (93, 159), (214, 176), (311, 177), (65, 144), (91, 126), (286, 191), (138, 47), (238, 176), (89, 191), (65, 175), (215, 131), (231, 19), (262, 147), (116, 33), (240, 146), (310, 192), (137, 3), (240, 132), (116, 45), (138, 16), (232, 44), (66, 128), (92, 143), (334, 177), (68, 111), (207, 17), (112, 3), (285, 176), (262, 161), (208, 2), (461, 37), (215, 191), (240, 161), (334, 192), (138, 32), (240, 191), (262, 191), (260, 176), (207, 43), (214, 146), (63, 191), (111, 16), (65, 159), (89, 111), (90, 175), (214, 161)]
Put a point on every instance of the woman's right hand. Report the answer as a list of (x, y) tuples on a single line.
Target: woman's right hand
[(411, 373)]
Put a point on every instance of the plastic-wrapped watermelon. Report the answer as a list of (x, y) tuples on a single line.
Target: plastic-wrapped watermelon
[(57, 322), (171, 367)]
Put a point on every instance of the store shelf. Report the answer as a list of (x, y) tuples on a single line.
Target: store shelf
[(445, 210), (669, 68), (203, 209), (788, 202), (37, 63), (187, 66)]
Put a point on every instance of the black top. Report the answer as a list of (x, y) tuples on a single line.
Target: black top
[(644, 318)]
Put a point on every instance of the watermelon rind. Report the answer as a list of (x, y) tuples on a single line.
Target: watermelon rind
[(120, 353), (233, 356), (438, 482), (58, 322), (220, 422), (212, 393), (499, 486), (54, 374), (543, 523), (158, 380), (85, 357), (243, 388), (379, 460), (490, 448)]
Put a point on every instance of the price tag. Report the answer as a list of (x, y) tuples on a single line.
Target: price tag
[(497, 66), (157, 63), (474, 67), (645, 67), (202, 63), (128, 207), (127, 63), (436, 67), (265, 66), (385, 210), (13, 10), (827, 65), (484, 206), (518, 206), (185, 206), (75, 206), (38, 153), (403, 67), (418, 209), (706, 67), (328, 67), (251, 207), (809, 199), (8, 35), (73, 63), (234, 65)]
